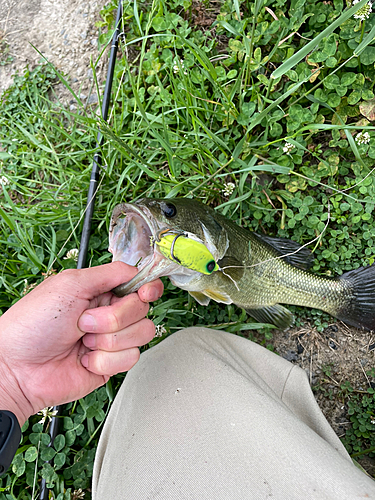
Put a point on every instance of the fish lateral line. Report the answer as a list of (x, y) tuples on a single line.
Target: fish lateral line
[(286, 254)]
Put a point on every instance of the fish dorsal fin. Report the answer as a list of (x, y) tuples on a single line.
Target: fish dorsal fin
[(276, 315), (218, 296), (231, 267), (201, 298), (303, 259)]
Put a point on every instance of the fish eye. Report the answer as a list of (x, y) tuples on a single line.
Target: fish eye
[(211, 266), (168, 209)]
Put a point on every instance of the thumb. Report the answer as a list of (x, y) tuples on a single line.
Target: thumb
[(100, 279)]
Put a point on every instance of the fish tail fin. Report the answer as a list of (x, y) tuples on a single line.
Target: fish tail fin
[(359, 309)]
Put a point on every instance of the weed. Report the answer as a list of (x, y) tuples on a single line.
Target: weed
[(359, 439)]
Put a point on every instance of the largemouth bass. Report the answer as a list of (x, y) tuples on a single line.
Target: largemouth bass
[(257, 273)]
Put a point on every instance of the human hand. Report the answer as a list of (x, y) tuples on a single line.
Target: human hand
[(69, 335)]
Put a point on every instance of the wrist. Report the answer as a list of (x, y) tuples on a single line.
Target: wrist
[(12, 398), (8, 404)]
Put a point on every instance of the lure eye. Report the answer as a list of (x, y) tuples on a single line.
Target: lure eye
[(211, 266), (168, 209)]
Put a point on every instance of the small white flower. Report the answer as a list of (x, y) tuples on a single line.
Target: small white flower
[(72, 254), (364, 12), (176, 67), (28, 287), (78, 494), (160, 330), (288, 148), (362, 138), (373, 421), (229, 187), (47, 413), (4, 181)]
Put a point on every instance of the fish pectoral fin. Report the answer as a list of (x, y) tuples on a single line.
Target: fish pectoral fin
[(276, 315), (303, 258), (201, 298), (232, 267), (218, 296)]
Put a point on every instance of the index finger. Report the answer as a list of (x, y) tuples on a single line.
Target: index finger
[(147, 293), (114, 317), (151, 291)]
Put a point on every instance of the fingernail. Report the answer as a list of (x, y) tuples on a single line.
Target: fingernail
[(87, 323), (153, 294), (85, 361)]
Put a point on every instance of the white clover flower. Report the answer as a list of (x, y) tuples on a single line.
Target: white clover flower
[(364, 12), (47, 412), (362, 138), (78, 494), (160, 330), (229, 187), (72, 254), (373, 421), (176, 67), (4, 181), (288, 148)]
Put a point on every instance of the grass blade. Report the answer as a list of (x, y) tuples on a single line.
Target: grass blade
[(298, 56)]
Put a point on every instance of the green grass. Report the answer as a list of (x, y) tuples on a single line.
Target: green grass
[(193, 109)]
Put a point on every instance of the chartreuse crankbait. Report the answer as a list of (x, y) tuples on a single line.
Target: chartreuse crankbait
[(187, 252)]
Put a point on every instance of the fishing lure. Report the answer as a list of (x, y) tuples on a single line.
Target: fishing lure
[(187, 252)]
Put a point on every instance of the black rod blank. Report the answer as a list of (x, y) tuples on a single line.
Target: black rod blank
[(97, 161), (94, 178)]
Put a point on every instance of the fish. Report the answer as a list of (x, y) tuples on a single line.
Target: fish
[(255, 272)]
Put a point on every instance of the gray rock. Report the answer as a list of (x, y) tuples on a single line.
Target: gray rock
[(290, 355), (93, 99)]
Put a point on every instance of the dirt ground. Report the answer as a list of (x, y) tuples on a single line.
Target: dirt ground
[(338, 355), (64, 31)]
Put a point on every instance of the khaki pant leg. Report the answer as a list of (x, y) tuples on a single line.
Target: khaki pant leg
[(207, 415)]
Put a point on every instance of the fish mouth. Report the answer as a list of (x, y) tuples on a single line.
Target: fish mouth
[(132, 236)]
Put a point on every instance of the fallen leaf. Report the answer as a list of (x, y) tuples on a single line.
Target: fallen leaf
[(367, 109)]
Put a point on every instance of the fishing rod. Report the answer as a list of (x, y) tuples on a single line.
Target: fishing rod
[(93, 186)]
